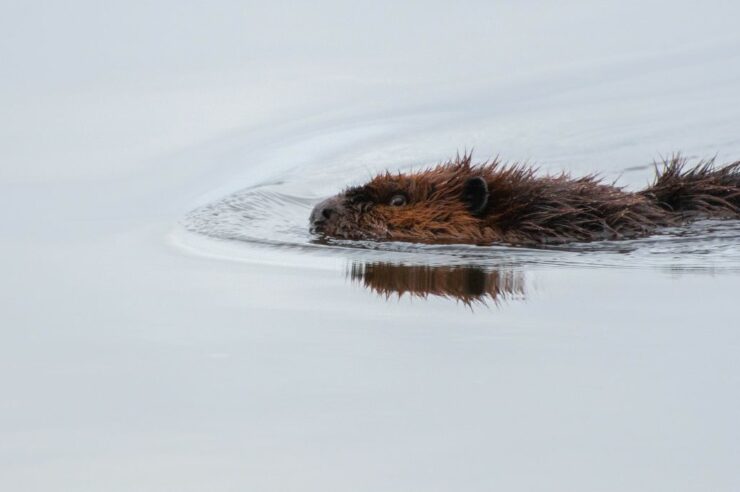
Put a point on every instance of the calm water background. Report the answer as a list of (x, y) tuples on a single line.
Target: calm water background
[(167, 322)]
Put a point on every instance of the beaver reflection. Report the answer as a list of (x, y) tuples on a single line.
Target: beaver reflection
[(467, 284)]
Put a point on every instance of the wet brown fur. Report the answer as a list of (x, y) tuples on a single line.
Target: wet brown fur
[(525, 208)]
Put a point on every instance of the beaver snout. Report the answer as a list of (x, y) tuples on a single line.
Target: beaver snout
[(324, 212)]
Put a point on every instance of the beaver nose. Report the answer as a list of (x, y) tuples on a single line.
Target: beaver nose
[(323, 211)]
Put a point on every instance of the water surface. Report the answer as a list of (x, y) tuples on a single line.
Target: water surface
[(168, 323)]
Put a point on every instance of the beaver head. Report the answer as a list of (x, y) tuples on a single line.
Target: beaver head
[(441, 204)]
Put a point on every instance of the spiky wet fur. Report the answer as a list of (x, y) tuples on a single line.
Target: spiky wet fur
[(527, 209)]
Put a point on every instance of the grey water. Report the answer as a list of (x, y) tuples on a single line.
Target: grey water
[(167, 322)]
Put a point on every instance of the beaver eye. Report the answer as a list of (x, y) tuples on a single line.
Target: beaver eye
[(398, 201)]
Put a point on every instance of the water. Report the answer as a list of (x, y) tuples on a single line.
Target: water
[(167, 321)]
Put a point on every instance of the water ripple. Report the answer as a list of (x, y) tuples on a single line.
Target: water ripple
[(269, 216)]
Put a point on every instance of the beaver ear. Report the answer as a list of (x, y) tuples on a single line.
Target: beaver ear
[(475, 194)]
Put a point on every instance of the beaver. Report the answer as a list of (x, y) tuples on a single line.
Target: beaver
[(493, 202)]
